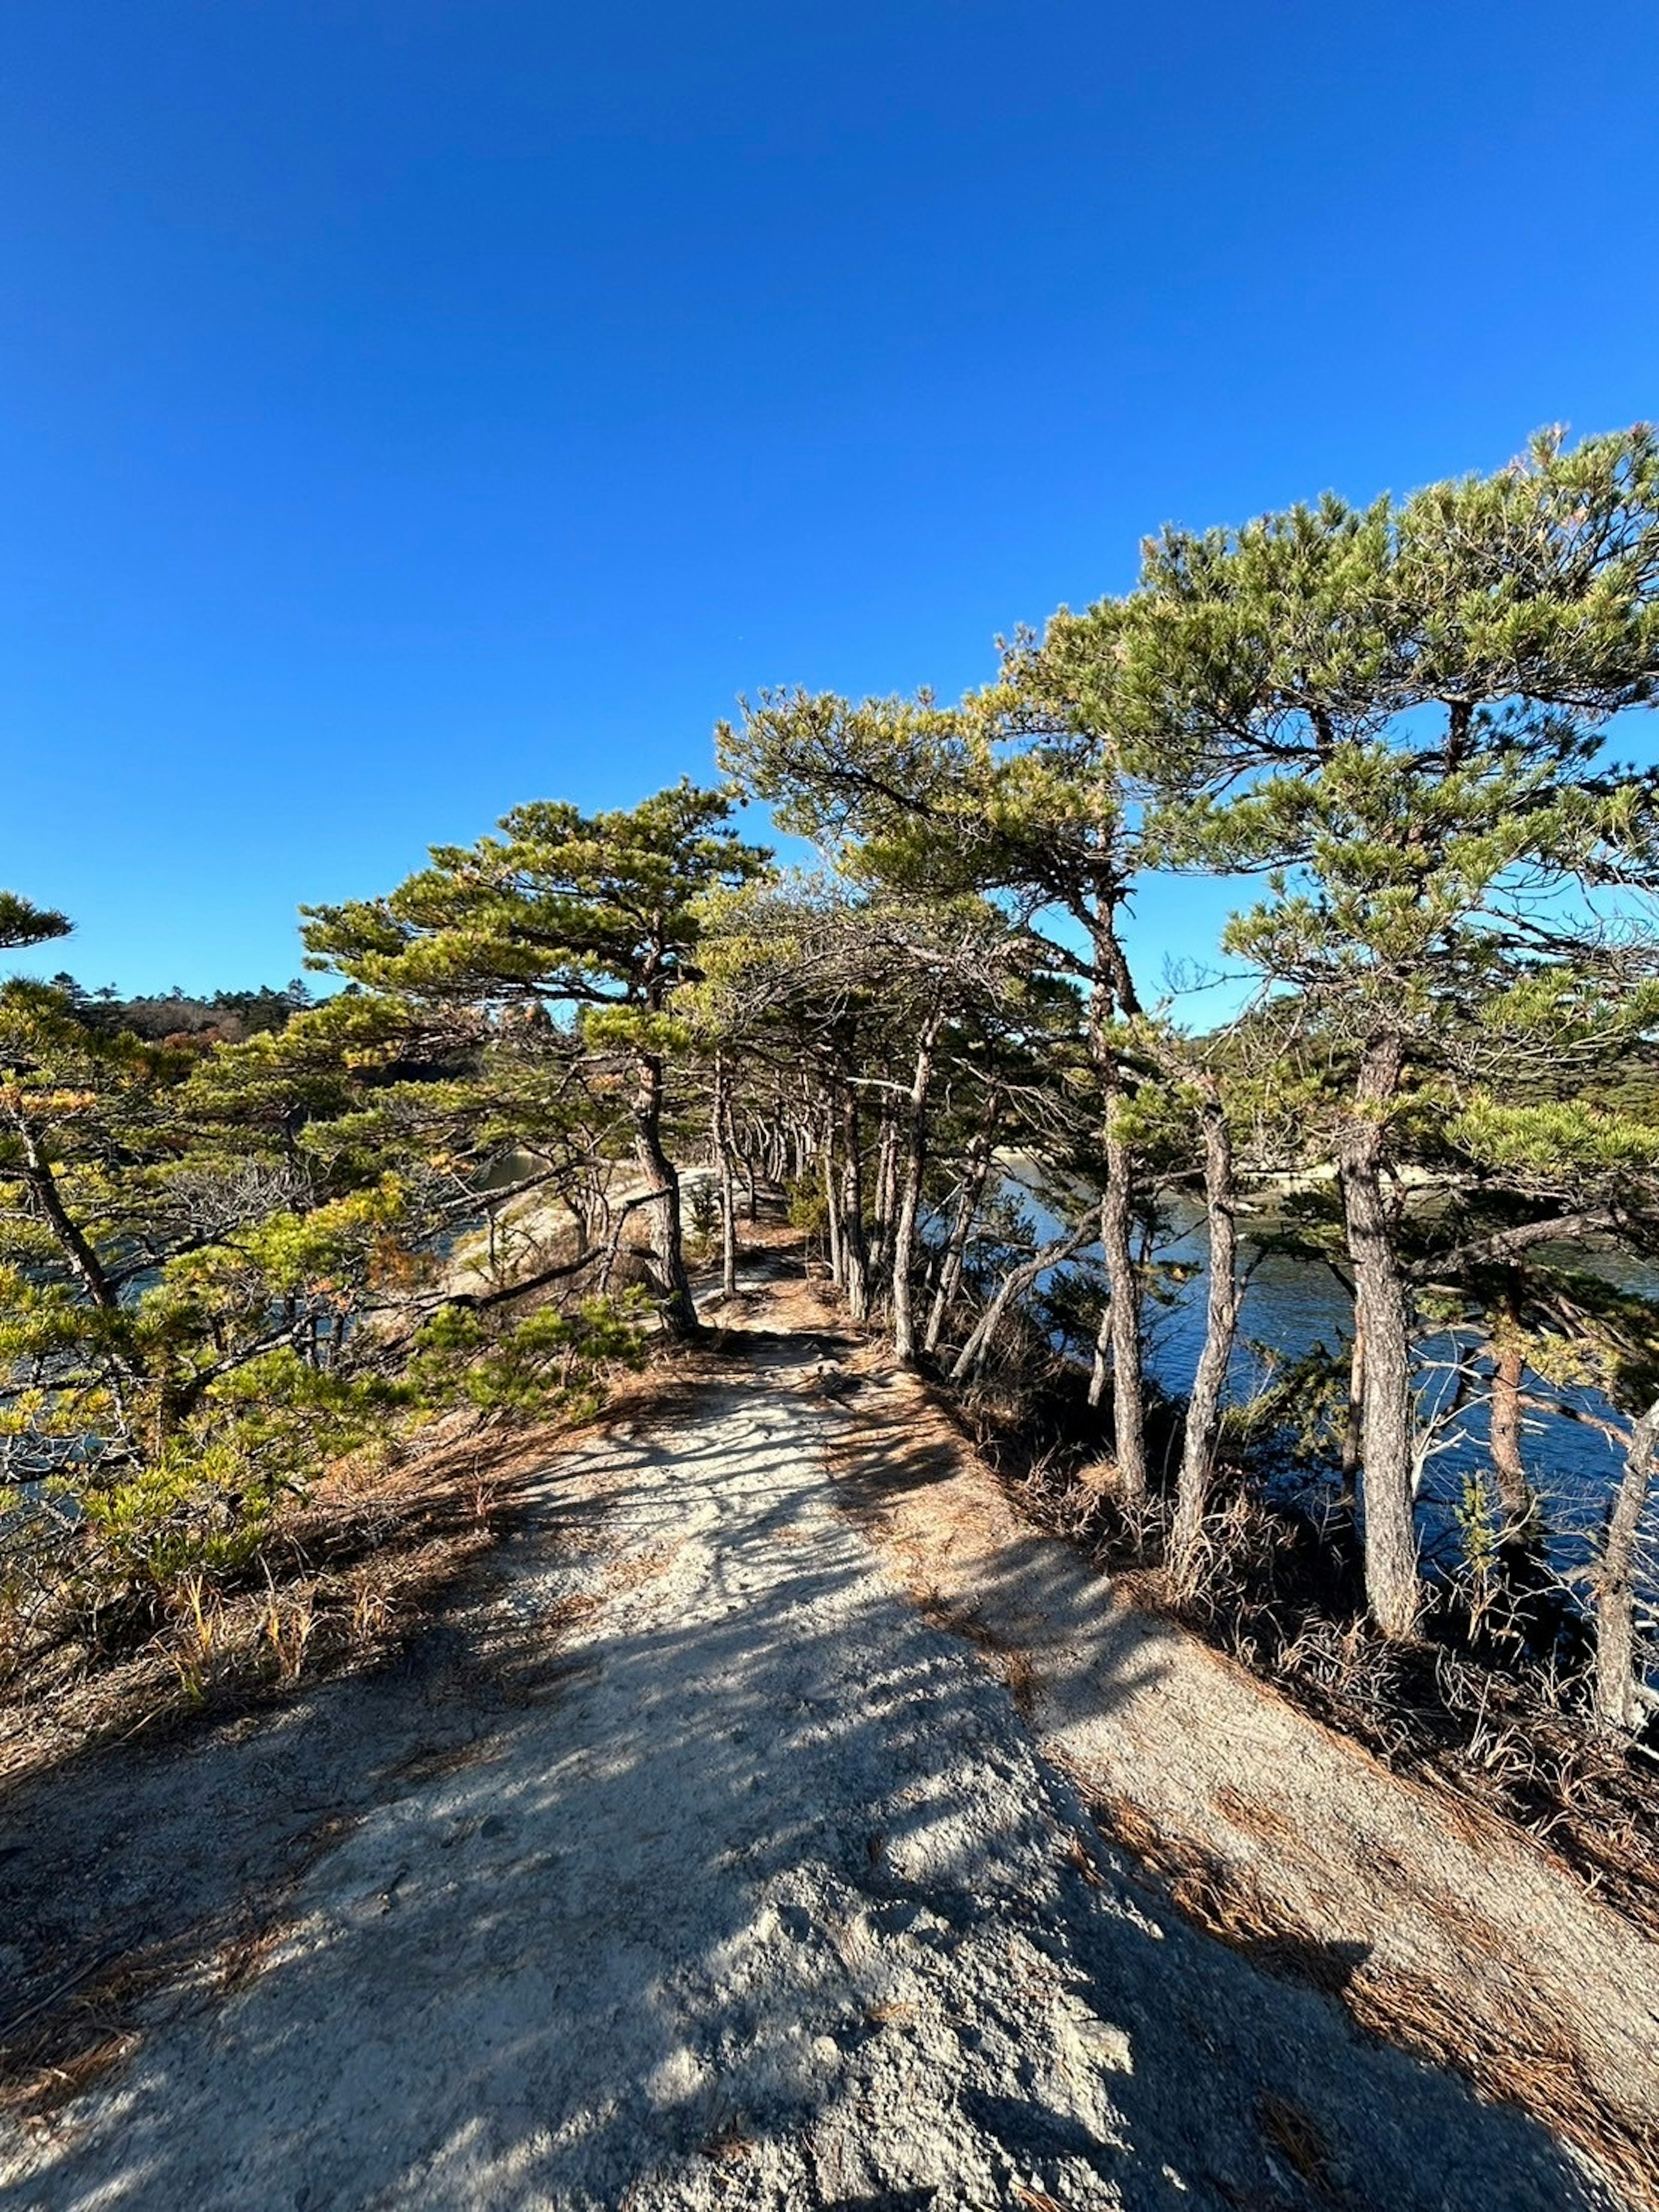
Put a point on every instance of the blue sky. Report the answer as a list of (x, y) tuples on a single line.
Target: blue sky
[(410, 407)]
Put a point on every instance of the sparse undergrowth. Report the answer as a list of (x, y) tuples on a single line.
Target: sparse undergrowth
[(1509, 1730), (332, 1578), (199, 1608), (336, 1578), (1524, 2064)]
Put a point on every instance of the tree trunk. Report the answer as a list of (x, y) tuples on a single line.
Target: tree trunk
[(42, 1183), (1354, 1419), (975, 1174), (1128, 1390), (832, 1219), (855, 1252), (728, 1232), (909, 1200), (1114, 990), (971, 1357), (1619, 1703), (887, 1155), (676, 1304), (1381, 1316), (1220, 1328), (1509, 1367), (722, 1132), (1100, 1369)]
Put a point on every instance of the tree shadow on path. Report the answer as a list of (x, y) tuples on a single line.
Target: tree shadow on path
[(748, 1885)]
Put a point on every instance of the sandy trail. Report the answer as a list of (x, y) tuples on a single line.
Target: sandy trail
[(692, 1867), (1439, 1923)]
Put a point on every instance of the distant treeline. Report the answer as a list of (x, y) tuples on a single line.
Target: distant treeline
[(230, 1016)]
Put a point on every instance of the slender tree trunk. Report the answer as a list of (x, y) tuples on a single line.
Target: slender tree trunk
[(832, 1219), (42, 1183), (1114, 988), (1381, 1315), (855, 1254), (722, 1133), (1354, 1419), (1220, 1328), (777, 1144), (1619, 1703), (1508, 1368), (909, 1197), (976, 1175), (881, 1223), (971, 1358), (1128, 1390), (678, 1308), (1100, 1369), (728, 1231)]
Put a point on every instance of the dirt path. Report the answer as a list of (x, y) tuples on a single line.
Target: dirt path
[(693, 1867), (1441, 1926)]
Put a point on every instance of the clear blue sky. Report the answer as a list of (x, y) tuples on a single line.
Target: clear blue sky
[(409, 407)]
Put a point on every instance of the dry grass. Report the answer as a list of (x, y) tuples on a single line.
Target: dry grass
[(244, 1955), (1010, 1663), (42, 2085), (635, 1568), (344, 1575), (383, 1540), (728, 2145), (1483, 1740), (88, 2024), (1076, 1856), (1484, 1744), (1512, 2054), (91, 2018), (1251, 1817), (1233, 1863), (421, 1535)]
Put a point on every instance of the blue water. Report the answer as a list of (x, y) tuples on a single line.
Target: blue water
[(1290, 1305), (1293, 1304)]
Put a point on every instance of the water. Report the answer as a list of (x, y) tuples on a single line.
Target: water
[(1290, 1305)]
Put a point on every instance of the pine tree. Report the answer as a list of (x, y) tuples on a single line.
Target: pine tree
[(591, 919), (1397, 713)]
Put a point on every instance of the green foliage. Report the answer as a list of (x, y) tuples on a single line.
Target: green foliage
[(545, 1365), (1572, 1141), (22, 923), (1300, 1411), (560, 908), (1475, 1516), (703, 1212), (202, 1264), (203, 1503), (590, 922), (808, 1208)]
